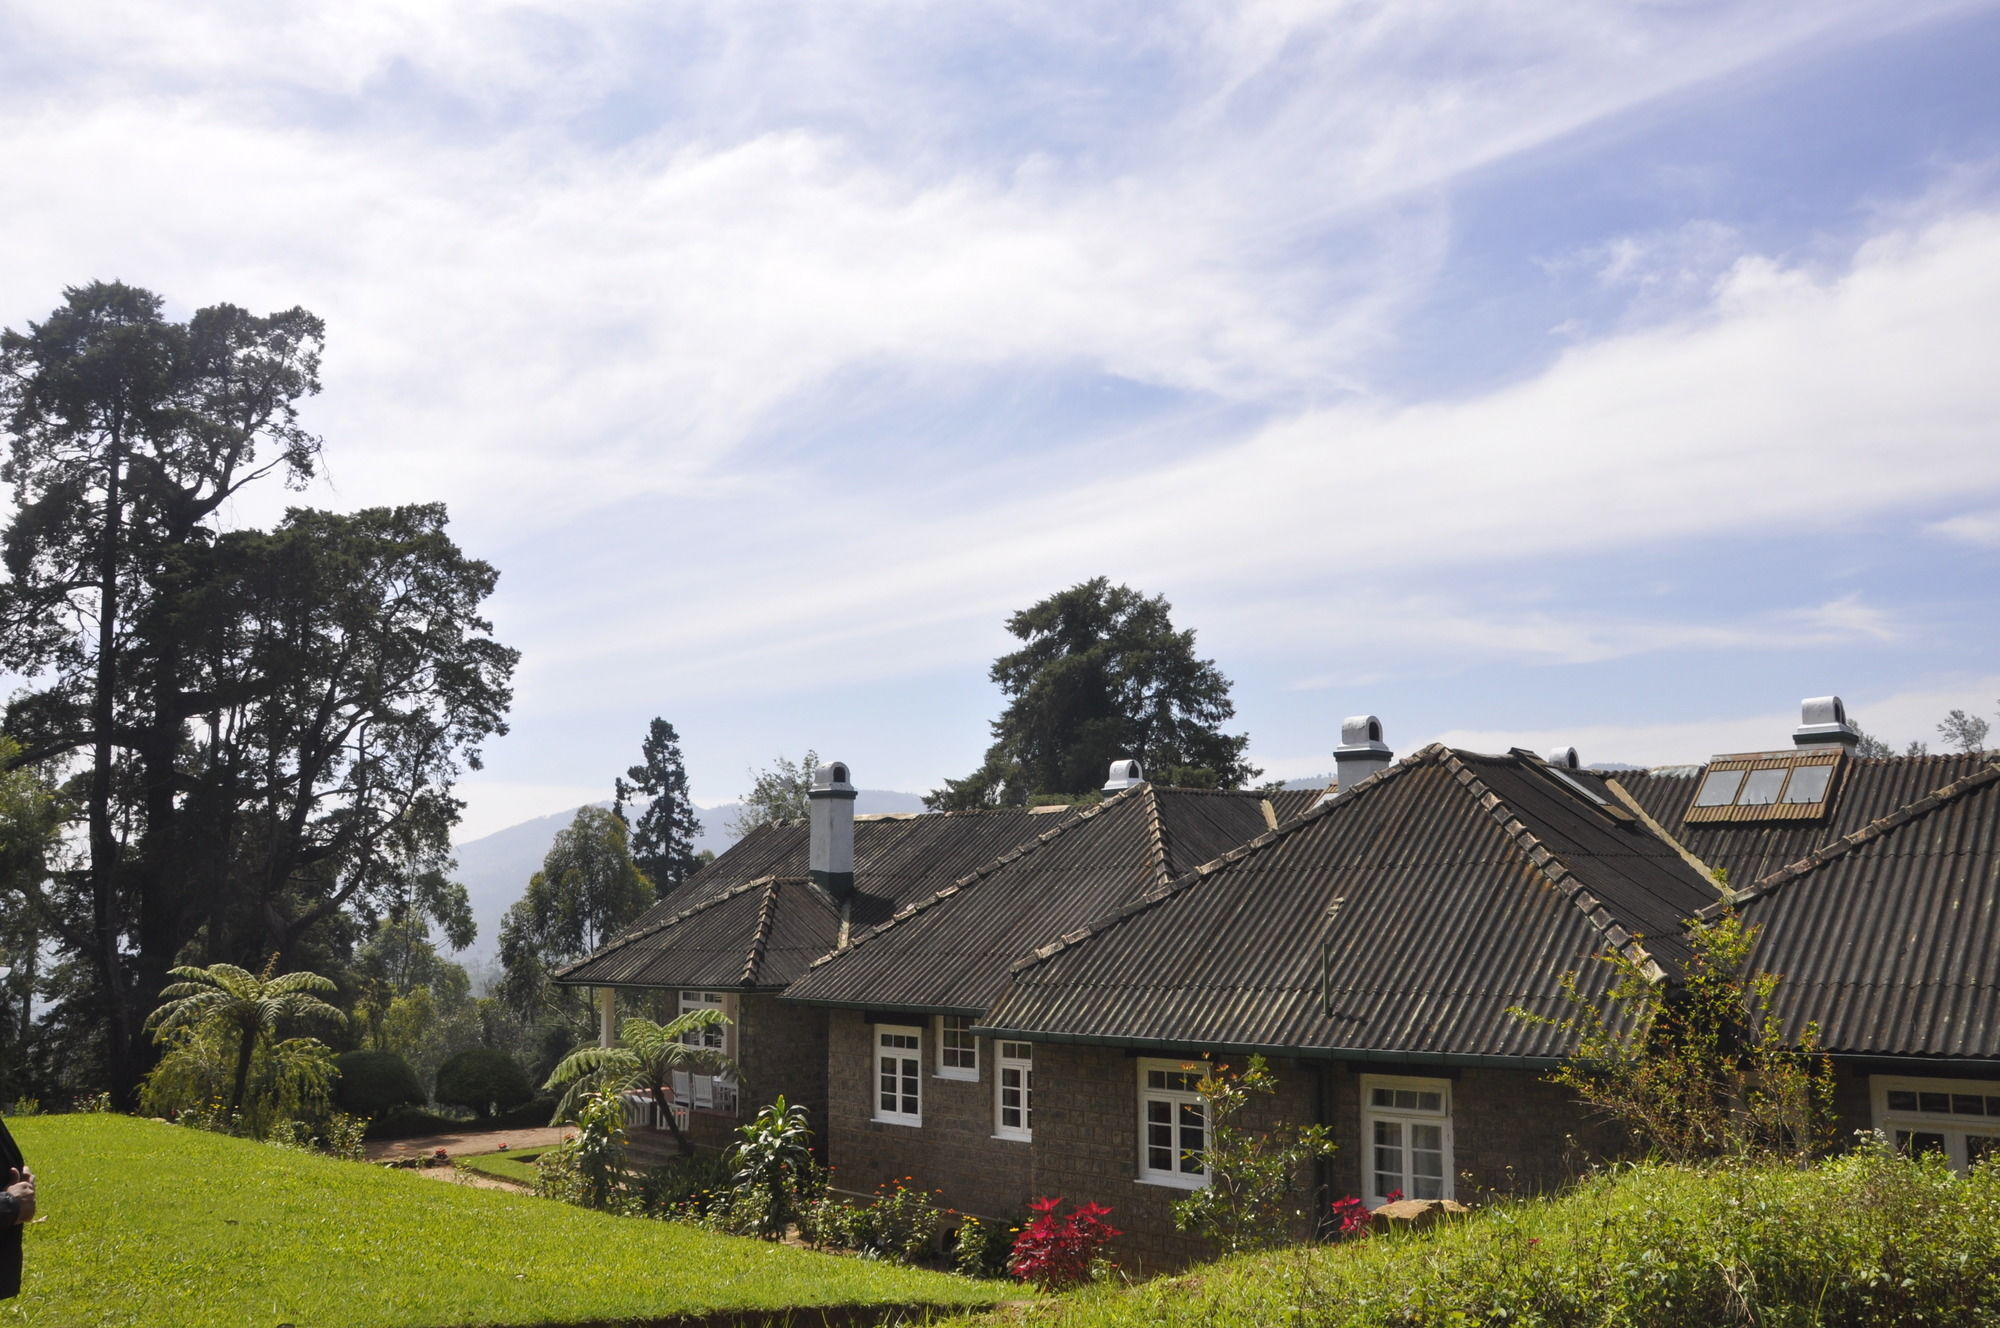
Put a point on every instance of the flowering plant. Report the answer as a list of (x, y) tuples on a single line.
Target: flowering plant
[(1058, 1251), (1351, 1217)]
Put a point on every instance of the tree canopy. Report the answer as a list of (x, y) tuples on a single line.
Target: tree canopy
[(776, 794), (587, 890), (663, 839), (1102, 674)]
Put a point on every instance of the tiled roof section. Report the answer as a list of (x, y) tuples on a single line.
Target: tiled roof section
[(1287, 804), (761, 933), (952, 950), (1750, 851), (1403, 917), (1889, 937)]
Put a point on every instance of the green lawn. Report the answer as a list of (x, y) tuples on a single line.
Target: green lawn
[(155, 1225), (510, 1165)]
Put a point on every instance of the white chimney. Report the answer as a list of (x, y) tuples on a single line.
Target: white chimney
[(1125, 773), (1823, 723), (1361, 752), (831, 800), (1565, 758)]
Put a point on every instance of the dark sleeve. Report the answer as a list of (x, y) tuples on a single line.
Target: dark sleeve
[(10, 1210)]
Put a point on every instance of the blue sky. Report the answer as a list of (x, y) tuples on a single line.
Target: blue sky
[(1572, 372)]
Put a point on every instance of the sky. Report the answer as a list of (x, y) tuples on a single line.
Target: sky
[(1569, 373)]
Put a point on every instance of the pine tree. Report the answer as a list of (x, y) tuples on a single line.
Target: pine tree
[(663, 840)]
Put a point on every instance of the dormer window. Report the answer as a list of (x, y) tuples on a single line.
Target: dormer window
[(1767, 786)]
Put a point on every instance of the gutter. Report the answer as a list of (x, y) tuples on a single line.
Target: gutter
[(1365, 1054)]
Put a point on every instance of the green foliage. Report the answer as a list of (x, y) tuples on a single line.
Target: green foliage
[(1258, 1195), (169, 1228), (587, 889), (1700, 1067), (346, 1137), (681, 1185), (647, 1054), (31, 818), (484, 1081), (982, 1248), (600, 1149), (374, 1082), (218, 1028), (1103, 674), (775, 1160), (1867, 1240), (1965, 731), (663, 840), (777, 794), (901, 1224)]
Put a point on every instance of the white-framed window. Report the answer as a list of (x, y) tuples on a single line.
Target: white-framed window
[(1406, 1125), (708, 1092), (957, 1049), (899, 1074), (1173, 1123), (1013, 1090), (1957, 1117)]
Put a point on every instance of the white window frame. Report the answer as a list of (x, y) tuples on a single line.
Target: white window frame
[(1176, 1100), (946, 1025), (1955, 1128), (909, 1072), (1013, 1058), (1403, 1120), (708, 1092)]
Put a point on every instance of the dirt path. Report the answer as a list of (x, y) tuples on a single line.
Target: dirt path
[(466, 1144)]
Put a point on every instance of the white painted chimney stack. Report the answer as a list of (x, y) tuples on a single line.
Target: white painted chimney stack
[(831, 803), (1125, 773), (1361, 752), (1823, 723)]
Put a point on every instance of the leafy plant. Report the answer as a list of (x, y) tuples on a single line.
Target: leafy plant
[(484, 1080), (983, 1248), (600, 1148), (226, 1004), (1061, 1251), (775, 1159), (1699, 1067), (1254, 1198), (902, 1223), (374, 1082), (645, 1059)]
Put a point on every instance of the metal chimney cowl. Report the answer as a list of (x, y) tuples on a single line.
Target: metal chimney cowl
[(1361, 752), (1823, 723), (830, 804)]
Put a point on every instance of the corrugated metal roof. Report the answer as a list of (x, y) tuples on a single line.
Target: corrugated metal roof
[(1464, 885), (952, 951), (687, 938), (758, 934), (1889, 938)]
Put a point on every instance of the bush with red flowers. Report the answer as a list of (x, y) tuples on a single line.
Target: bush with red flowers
[(1056, 1252)]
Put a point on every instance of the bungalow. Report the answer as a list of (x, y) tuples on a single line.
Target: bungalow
[(1026, 1008)]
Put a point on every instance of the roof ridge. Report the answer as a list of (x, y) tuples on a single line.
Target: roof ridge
[(655, 928), (766, 913), (1156, 837), (1549, 863), (1867, 834), (979, 873), (1195, 875)]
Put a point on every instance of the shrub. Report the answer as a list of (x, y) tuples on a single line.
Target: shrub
[(983, 1248), (681, 1186), (344, 1136), (600, 1149), (1253, 1199), (775, 1159), (484, 1081), (374, 1083), (1056, 1252), (901, 1224)]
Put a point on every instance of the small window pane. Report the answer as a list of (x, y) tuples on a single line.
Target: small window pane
[(1918, 1142), (1430, 1101), (1382, 1097), (1808, 783), (1719, 789), (1761, 788), (1993, 1106), (1902, 1100), (1934, 1102)]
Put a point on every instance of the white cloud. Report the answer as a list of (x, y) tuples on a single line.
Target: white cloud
[(1976, 528)]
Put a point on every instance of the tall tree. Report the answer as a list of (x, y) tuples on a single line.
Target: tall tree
[(30, 819), (776, 794), (663, 839), (127, 434), (247, 1008), (1965, 731), (1102, 674), (587, 890)]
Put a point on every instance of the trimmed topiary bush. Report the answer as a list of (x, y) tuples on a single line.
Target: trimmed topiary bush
[(484, 1081), (374, 1083)]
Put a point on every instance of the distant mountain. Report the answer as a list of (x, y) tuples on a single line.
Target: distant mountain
[(495, 868)]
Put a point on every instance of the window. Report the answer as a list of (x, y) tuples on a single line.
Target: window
[(1173, 1123), (1765, 786), (958, 1050), (1014, 1090), (899, 1074), (708, 1092), (1957, 1117), (1406, 1124)]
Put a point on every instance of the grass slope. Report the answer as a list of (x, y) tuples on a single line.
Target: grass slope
[(509, 1166), (1870, 1240), (154, 1225)]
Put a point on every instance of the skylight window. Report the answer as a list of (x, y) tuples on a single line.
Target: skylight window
[(1765, 786)]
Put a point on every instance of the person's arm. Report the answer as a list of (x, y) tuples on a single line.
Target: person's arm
[(17, 1204)]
